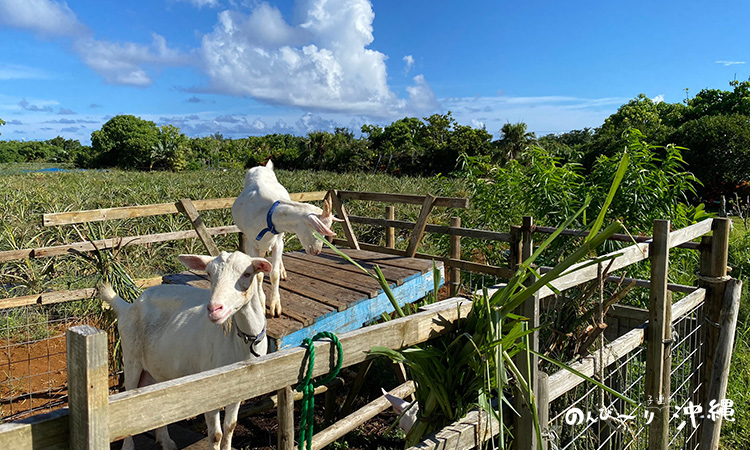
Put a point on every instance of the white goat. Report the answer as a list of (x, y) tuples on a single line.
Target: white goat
[(165, 332), (264, 212)]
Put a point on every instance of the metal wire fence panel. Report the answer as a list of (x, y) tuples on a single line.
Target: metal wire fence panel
[(33, 366)]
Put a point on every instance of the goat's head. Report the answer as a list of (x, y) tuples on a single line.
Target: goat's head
[(320, 222), (232, 278)]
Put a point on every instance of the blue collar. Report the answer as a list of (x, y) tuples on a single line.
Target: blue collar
[(269, 222)]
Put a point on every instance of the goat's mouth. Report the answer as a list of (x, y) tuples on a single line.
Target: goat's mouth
[(313, 251), (220, 317)]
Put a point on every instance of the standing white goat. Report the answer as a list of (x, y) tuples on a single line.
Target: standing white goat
[(264, 212), (165, 332)]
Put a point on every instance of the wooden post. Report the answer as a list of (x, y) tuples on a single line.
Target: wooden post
[(516, 252), (455, 273), (418, 232), (390, 232), (720, 374), (338, 206), (88, 389), (659, 335), (285, 415), (542, 400), (713, 277), (523, 426), (200, 227)]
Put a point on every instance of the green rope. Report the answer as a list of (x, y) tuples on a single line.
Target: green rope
[(307, 387)]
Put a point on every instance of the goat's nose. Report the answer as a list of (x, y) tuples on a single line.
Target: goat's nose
[(214, 308)]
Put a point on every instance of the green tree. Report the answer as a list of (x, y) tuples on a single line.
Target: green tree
[(718, 151), (171, 150), (514, 142), (125, 141)]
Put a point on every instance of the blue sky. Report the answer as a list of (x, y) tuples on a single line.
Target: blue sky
[(244, 67)]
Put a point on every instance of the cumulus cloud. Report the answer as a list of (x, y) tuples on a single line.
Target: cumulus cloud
[(322, 62), (122, 63), (658, 99), (47, 18), (409, 60)]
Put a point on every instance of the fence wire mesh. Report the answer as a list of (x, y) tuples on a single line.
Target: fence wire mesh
[(589, 418)]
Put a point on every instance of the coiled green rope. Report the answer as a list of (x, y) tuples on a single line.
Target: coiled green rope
[(307, 387)]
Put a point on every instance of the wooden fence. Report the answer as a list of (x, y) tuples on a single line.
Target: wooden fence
[(101, 419)]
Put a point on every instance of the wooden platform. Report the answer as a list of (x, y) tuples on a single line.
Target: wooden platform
[(327, 293)]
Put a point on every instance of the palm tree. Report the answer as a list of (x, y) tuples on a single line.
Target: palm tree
[(514, 141)]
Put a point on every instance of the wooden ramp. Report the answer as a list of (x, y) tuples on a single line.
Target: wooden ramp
[(328, 293)]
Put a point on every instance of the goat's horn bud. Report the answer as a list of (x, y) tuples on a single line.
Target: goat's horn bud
[(326, 208)]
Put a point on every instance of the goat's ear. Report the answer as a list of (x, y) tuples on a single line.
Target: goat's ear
[(336, 219), (319, 226), (261, 265), (195, 262), (269, 164)]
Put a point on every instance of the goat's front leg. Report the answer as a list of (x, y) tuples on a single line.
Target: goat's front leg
[(276, 251), (230, 423), (214, 429), (282, 270)]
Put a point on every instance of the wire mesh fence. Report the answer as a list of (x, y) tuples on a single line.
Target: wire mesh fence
[(589, 418)]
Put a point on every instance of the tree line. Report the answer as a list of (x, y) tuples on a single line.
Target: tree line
[(711, 130)]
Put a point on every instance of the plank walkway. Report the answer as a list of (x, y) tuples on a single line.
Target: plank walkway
[(327, 293)]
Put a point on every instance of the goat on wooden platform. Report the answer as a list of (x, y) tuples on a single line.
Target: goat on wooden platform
[(264, 212), (166, 335)]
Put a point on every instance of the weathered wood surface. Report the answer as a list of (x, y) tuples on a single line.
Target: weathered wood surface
[(129, 212), (418, 231), (340, 210), (429, 228), (88, 390), (717, 388), (48, 298), (468, 433), (187, 206), (446, 202), (42, 431), (327, 293)]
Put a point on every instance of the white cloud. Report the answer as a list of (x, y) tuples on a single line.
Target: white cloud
[(730, 63), (20, 72), (658, 99), (409, 60), (323, 62), (122, 63), (48, 18), (202, 3)]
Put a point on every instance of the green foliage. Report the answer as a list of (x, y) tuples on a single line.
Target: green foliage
[(514, 142), (124, 141), (718, 151)]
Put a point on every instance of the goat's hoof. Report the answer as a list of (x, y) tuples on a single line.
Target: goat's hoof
[(276, 309)]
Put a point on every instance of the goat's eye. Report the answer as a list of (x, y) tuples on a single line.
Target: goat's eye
[(247, 275)]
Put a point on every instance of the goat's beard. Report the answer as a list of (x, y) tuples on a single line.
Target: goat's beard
[(227, 327)]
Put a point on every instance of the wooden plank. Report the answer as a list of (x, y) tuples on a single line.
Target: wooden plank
[(442, 229), (391, 273), (390, 232), (48, 298), (132, 412), (563, 381), (687, 234), (357, 282), (455, 253), (338, 206), (577, 275), (110, 243), (41, 431), (717, 388), (298, 307), (679, 241), (278, 327), (688, 303), (88, 387), (186, 205), (468, 433), (396, 260), (129, 212), (447, 202), (658, 338), (502, 272), (418, 231), (357, 418)]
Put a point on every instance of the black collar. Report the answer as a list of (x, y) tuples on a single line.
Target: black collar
[(252, 340)]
